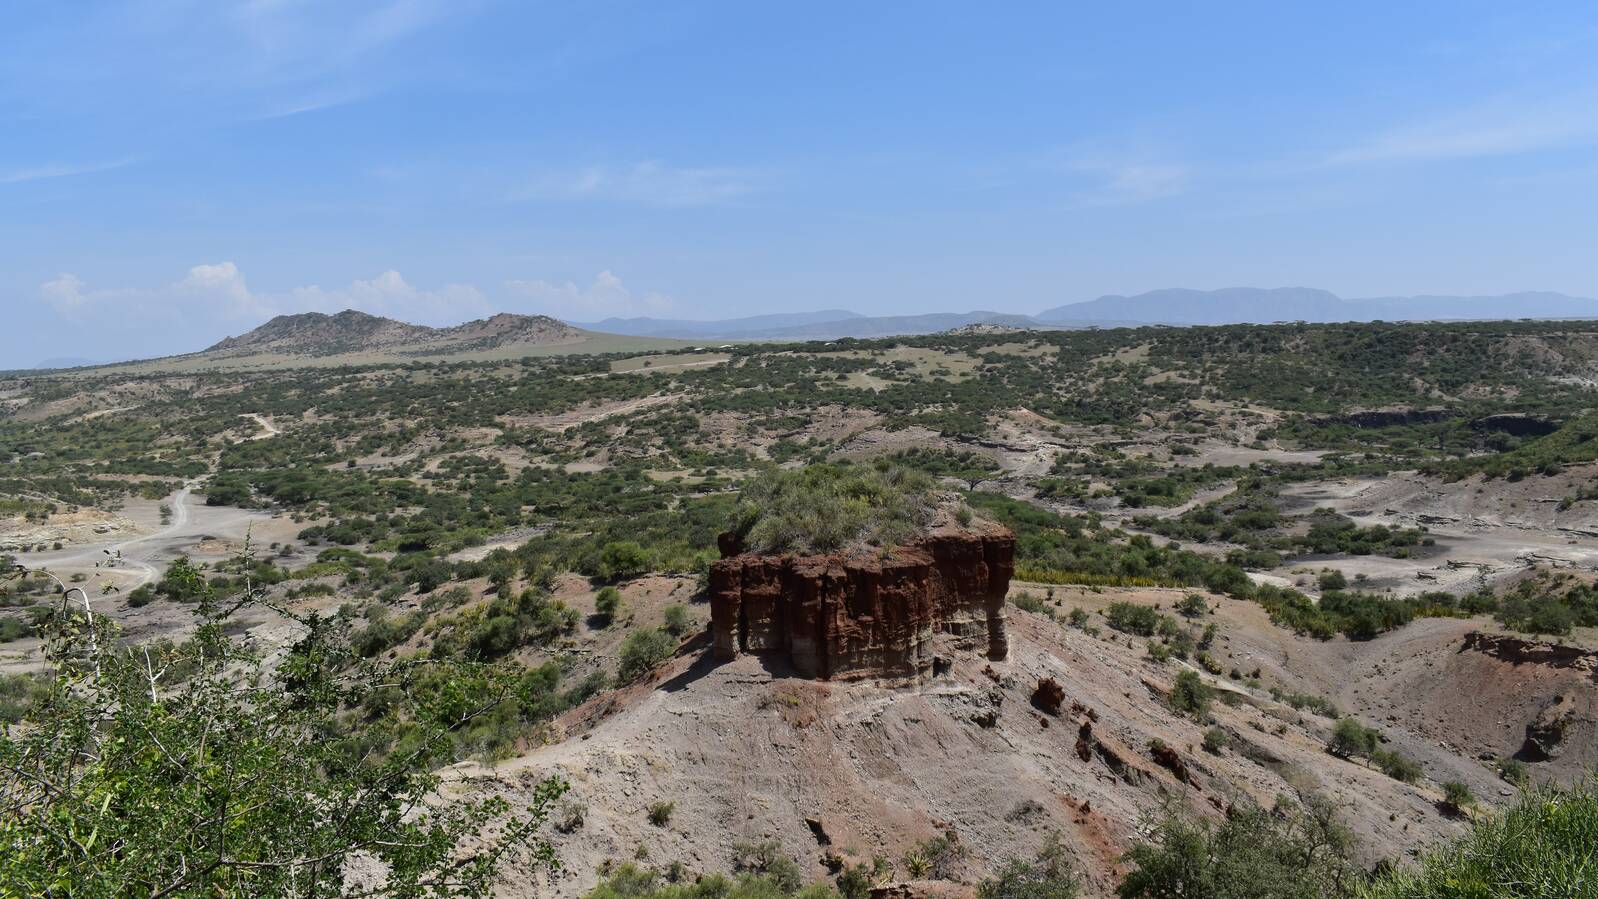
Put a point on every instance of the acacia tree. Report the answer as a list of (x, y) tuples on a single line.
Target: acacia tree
[(199, 770)]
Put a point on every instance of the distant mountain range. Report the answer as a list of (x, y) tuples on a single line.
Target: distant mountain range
[(357, 336), (64, 362), (827, 325), (1240, 305), (1175, 306), (689, 329)]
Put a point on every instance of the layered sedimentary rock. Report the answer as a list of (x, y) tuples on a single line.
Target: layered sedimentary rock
[(866, 613)]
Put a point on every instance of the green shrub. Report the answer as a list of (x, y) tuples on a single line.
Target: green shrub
[(938, 858), (1514, 771), (1320, 705), (622, 560), (1540, 847), (769, 862), (14, 629), (675, 618), (628, 881), (1537, 615), (505, 625), (1457, 797), (1050, 875), (1031, 602), (1190, 695), (231, 778), (642, 652), (1132, 618), (1215, 740), (18, 692), (826, 507), (1292, 853), (607, 604), (660, 813), (1397, 765), (1350, 739)]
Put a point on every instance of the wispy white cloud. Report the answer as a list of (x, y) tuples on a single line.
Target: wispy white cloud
[(1122, 177), (59, 170), (218, 295), (606, 296), (218, 290), (1499, 128), (315, 102), (1138, 182), (389, 294), (310, 37), (649, 183)]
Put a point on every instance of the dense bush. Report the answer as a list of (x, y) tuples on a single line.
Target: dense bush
[(237, 781), (632, 882), (607, 604), (504, 625), (1190, 695), (642, 652), (825, 507), (1049, 875), (1350, 740), (1540, 848), (1292, 852), (1132, 618)]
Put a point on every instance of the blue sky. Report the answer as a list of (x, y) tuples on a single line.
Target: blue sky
[(173, 171)]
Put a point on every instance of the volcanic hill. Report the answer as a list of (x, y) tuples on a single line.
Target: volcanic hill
[(350, 331)]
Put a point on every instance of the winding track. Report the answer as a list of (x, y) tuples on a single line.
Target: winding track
[(141, 556), (134, 562), (267, 428)]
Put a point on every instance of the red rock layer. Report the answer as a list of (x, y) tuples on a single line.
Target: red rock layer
[(863, 615)]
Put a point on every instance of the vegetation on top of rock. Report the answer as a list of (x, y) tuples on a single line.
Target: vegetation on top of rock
[(828, 507)]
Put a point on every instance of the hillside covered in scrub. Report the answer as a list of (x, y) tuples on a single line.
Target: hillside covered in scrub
[(1264, 592)]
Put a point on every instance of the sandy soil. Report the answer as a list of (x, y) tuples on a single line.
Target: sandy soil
[(1489, 532), (112, 568)]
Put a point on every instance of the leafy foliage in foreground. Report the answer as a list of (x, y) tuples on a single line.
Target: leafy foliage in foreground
[(1541, 848), (189, 771), (1049, 876), (1292, 852)]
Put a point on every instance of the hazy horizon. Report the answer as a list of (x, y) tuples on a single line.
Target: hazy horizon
[(182, 171)]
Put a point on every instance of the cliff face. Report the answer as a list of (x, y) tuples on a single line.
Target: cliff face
[(856, 615)]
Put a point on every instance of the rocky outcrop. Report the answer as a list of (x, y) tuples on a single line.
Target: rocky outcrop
[(1390, 416), (864, 613), (1520, 651), (1049, 696), (1546, 734), (1562, 720), (1517, 424)]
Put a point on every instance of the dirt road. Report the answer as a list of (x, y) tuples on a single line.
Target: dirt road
[(141, 559), (267, 428)]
